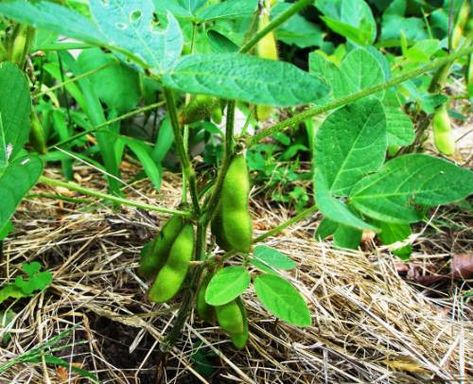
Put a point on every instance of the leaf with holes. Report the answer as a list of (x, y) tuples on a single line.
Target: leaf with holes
[(245, 78), (129, 25)]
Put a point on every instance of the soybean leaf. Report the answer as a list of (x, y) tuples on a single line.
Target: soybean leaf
[(246, 78), (334, 209), (174, 6), (15, 182), (351, 143), (230, 9), (297, 30), (130, 26), (347, 237), (226, 285), (359, 70), (325, 229), (391, 195), (6, 230), (282, 300), (267, 259), (15, 108), (395, 24), (352, 19), (322, 67), (143, 153), (399, 127), (116, 84), (53, 17)]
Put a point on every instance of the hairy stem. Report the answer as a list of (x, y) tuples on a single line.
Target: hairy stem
[(86, 191), (187, 169), (296, 119), (281, 227)]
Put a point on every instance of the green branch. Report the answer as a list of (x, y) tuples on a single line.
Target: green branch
[(281, 19), (355, 96), (281, 227), (86, 191)]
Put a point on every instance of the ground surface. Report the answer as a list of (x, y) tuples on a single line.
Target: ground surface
[(372, 321)]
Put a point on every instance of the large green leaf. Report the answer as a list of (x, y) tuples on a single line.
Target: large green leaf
[(15, 108), (129, 24), (352, 19), (351, 143), (282, 300), (391, 194), (246, 78), (15, 182), (53, 17)]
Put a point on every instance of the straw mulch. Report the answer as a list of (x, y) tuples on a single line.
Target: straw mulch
[(369, 324)]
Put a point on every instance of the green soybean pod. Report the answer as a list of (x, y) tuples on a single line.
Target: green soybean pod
[(156, 253), (205, 311), (239, 340), (230, 318), (442, 131), (236, 219), (170, 278), (216, 227)]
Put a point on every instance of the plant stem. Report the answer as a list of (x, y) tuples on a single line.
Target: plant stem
[(355, 96), (283, 226), (282, 18), (187, 169), (86, 191), (109, 122), (71, 80)]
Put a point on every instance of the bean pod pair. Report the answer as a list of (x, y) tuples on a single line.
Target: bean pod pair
[(167, 258), (232, 224)]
